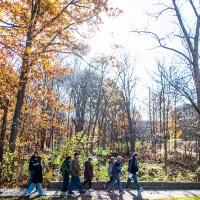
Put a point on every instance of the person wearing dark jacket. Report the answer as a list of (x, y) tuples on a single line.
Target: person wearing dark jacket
[(88, 173), (116, 172), (31, 167), (66, 173), (75, 179), (37, 177), (132, 170)]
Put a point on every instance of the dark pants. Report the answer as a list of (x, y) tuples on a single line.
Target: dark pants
[(109, 181), (134, 177), (89, 183), (65, 182), (75, 180)]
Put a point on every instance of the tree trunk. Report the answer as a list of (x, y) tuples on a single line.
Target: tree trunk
[(175, 124), (3, 132), (150, 115), (193, 50), (198, 149), (43, 138), (22, 81), (18, 107)]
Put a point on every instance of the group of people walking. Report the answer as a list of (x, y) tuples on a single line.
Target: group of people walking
[(71, 167), (114, 171)]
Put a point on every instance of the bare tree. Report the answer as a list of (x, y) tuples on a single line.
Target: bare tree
[(127, 82), (186, 33)]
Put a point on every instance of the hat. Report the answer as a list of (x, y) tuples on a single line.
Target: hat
[(119, 157), (90, 158)]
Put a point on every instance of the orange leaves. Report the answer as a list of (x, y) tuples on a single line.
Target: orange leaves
[(28, 50), (179, 133), (34, 37), (8, 80), (49, 22)]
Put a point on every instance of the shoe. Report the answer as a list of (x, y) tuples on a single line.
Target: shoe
[(140, 188), (71, 193), (105, 186), (83, 192), (121, 193), (127, 189), (27, 194), (110, 192), (91, 190), (64, 190), (88, 193)]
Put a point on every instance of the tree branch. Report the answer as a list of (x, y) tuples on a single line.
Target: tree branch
[(183, 26), (194, 9), (159, 40), (9, 24)]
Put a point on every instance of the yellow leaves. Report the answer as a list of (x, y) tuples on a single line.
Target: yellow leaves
[(179, 133), (28, 50), (51, 1), (48, 175), (8, 77), (51, 28), (36, 74), (49, 24)]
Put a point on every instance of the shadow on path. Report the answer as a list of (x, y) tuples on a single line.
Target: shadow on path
[(137, 197)]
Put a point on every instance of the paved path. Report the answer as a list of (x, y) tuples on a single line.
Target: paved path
[(102, 195)]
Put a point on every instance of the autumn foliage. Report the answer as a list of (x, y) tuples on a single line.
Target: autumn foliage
[(53, 101)]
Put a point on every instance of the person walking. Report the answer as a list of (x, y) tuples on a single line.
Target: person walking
[(88, 173), (37, 178), (31, 167), (65, 173), (116, 172), (75, 179), (110, 165), (132, 170)]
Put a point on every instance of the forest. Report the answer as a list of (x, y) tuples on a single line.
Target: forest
[(57, 99)]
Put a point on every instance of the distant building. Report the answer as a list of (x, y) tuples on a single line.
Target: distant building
[(187, 121)]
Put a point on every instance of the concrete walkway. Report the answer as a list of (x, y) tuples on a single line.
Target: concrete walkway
[(102, 195)]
